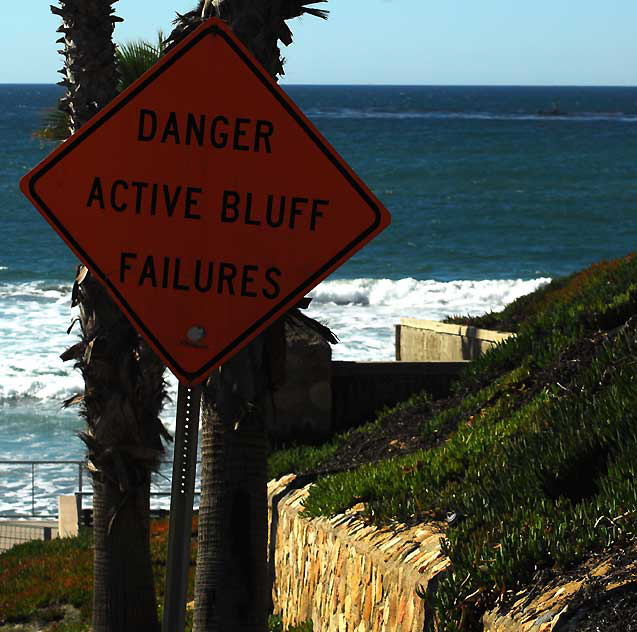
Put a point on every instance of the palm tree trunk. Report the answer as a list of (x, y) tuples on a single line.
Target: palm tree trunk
[(124, 392), (231, 583), (90, 72), (124, 388), (124, 597)]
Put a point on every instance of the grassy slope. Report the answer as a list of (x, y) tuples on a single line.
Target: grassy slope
[(37, 575), (534, 458), (36, 578)]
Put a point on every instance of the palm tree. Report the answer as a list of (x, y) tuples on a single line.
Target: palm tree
[(231, 584), (133, 60), (124, 387), (124, 393)]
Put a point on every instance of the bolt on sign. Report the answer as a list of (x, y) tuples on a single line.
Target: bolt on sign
[(205, 201)]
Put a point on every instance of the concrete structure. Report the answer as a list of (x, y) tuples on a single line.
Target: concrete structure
[(319, 396), (432, 341), (68, 516), (344, 575)]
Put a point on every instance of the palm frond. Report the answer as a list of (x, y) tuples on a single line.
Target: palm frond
[(297, 319), (296, 8), (135, 58), (55, 125), (258, 26)]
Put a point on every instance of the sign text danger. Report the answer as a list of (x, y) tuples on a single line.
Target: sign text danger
[(218, 132)]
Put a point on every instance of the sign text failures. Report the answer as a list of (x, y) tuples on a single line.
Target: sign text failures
[(196, 202)]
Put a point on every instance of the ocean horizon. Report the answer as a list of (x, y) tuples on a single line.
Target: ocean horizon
[(283, 82), (494, 190)]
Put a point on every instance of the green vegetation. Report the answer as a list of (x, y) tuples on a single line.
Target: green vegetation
[(135, 58), (533, 459), (276, 625), (39, 579), (301, 458), (544, 298), (39, 574), (336, 454)]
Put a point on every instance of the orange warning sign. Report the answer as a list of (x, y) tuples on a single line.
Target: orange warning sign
[(205, 201)]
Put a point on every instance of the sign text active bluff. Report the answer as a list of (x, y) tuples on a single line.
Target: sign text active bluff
[(208, 207)]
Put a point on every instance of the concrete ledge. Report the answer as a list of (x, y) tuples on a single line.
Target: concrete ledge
[(456, 330), (430, 340), (345, 575)]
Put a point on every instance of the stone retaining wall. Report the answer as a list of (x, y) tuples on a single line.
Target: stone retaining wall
[(344, 575), (432, 341), (601, 582)]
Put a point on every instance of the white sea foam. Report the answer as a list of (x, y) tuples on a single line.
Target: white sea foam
[(33, 322), (363, 312), (33, 380)]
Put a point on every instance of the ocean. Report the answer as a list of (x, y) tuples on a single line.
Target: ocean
[(490, 198)]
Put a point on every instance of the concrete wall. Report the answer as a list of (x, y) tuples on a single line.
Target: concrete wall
[(344, 575), (432, 341), (320, 396), (359, 389)]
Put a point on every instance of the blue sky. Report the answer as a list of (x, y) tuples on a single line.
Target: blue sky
[(457, 42)]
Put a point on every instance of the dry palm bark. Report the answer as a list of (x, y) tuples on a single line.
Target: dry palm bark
[(232, 589), (124, 387), (90, 70)]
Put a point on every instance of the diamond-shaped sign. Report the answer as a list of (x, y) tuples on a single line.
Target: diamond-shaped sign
[(205, 201)]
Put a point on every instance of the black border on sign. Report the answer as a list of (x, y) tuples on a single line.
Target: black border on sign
[(212, 29)]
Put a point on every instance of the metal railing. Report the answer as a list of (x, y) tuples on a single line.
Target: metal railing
[(18, 531), (30, 476), (77, 485)]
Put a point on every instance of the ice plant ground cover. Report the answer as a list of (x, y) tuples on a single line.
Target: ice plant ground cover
[(49, 584), (531, 461)]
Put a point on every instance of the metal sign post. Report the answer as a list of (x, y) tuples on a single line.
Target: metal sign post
[(181, 501)]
